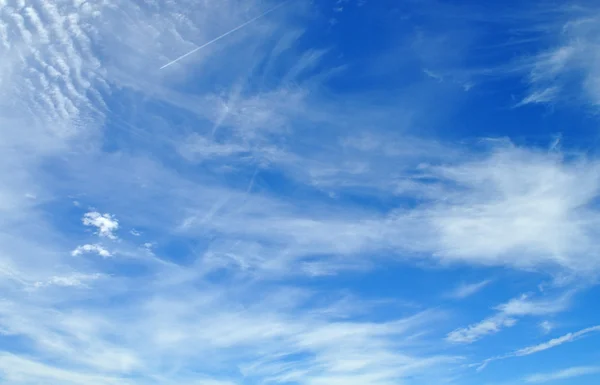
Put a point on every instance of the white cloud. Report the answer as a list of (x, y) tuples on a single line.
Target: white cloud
[(516, 207), (198, 148), (511, 207), (540, 96), (91, 248), (564, 374), (507, 316), (22, 370), (476, 331), (524, 306), (106, 224), (433, 75), (468, 289), (569, 69), (165, 324), (71, 280), (272, 339), (529, 350), (570, 337), (546, 326)]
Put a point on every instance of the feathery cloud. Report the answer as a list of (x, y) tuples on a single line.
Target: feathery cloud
[(476, 331), (564, 374), (568, 69), (468, 289), (71, 280), (507, 316), (529, 350), (570, 337)]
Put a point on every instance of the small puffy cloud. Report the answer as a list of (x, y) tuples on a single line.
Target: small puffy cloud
[(148, 246), (546, 326), (91, 248), (106, 224)]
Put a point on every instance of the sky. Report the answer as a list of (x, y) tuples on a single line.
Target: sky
[(326, 192)]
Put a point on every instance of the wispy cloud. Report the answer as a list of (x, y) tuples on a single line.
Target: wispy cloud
[(465, 290), (525, 306), (476, 331), (570, 337), (529, 350), (225, 34), (21, 370), (541, 96), (71, 280), (568, 70), (507, 316), (303, 347), (564, 374), (256, 186)]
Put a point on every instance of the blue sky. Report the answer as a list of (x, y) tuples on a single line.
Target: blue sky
[(328, 192)]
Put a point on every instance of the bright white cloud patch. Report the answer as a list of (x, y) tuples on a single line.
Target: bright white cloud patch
[(91, 248), (106, 224), (517, 207)]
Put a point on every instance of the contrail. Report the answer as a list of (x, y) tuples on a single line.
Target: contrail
[(226, 34)]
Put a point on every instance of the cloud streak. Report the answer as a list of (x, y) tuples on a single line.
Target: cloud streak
[(567, 338), (564, 374), (550, 344), (226, 34), (467, 290), (507, 316)]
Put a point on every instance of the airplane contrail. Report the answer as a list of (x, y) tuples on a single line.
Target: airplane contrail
[(226, 34)]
